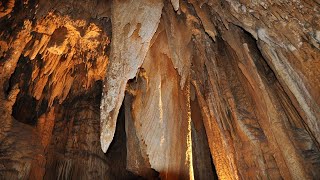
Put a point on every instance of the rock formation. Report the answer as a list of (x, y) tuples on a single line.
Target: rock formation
[(149, 89)]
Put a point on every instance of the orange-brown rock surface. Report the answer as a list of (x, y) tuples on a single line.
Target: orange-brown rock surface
[(192, 89)]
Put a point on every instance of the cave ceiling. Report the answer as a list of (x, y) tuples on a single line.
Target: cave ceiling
[(149, 89)]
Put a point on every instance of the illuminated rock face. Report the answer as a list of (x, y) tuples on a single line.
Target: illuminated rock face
[(193, 89), (52, 64)]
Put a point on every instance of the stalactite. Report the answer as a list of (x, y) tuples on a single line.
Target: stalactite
[(189, 89)]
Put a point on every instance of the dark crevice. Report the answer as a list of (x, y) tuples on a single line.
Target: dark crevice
[(25, 107), (24, 110), (117, 152), (137, 157), (306, 143), (21, 76), (215, 175), (267, 72), (203, 165), (257, 57)]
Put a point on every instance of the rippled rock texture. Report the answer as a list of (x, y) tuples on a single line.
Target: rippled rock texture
[(190, 89)]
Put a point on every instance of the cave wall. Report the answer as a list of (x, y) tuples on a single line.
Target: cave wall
[(53, 58), (186, 89)]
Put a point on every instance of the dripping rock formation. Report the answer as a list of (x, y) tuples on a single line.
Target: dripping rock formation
[(159, 89)]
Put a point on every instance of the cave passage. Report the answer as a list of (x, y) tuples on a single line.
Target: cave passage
[(159, 89)]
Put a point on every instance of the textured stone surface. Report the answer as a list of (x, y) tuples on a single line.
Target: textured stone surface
[(164, 134), (51, 63), (193, 89), (131, 40)]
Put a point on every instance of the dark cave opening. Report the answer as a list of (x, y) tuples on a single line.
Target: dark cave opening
[(124, 149), (117, 152), (26, 108)]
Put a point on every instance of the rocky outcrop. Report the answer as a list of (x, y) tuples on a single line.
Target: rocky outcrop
[(193, 89)]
